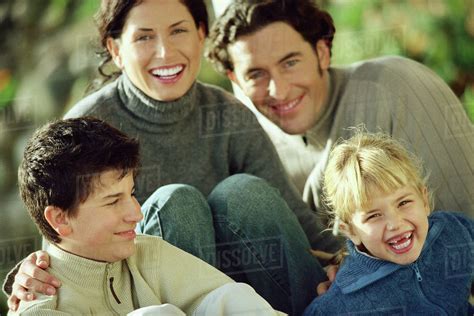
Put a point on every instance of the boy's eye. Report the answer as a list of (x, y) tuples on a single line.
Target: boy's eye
[(112, 203)]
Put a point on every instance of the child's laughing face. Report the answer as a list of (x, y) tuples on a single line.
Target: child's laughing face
[(394, 226)]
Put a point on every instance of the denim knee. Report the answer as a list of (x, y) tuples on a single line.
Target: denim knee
[(245, 191), (184, 203)]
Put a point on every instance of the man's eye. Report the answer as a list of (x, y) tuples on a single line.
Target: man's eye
[(291, 63), (255, 75)]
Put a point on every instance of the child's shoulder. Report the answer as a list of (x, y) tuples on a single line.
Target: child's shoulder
[(456, 221)]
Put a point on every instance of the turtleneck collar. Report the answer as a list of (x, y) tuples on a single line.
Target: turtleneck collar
[(152, 110), (81, 271)]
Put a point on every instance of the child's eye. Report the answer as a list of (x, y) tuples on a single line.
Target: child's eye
[(404, 202), (113, 203), (373, 216)]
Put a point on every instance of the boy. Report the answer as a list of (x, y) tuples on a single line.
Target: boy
[(77, 181), (401, 259)]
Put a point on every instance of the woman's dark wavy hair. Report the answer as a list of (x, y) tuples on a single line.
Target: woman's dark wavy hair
[(111, 18), (244, 17), (63, 161)]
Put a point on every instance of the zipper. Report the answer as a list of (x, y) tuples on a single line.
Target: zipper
[(417, 272), (111, 282)]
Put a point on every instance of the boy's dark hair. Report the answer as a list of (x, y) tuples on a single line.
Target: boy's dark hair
[(112, 15), (62, 161), (243, 17)]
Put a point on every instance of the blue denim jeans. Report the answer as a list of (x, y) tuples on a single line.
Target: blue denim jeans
[(245, 229)]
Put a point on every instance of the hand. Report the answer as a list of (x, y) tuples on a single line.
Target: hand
[(324, 286), (31, 278)]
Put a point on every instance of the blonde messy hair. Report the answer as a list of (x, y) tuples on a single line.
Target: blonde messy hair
[(363, 163)]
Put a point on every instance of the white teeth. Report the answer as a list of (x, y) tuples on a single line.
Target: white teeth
[(406, 235), (401, 246), (167, 72), (288, 106)]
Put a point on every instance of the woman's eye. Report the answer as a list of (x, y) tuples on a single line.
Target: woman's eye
[(113, 203), (178, 31), (144, 38)]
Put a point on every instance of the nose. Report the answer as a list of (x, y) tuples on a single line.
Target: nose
[(134, 212), (278, 87), (163, 48), (394, 220)]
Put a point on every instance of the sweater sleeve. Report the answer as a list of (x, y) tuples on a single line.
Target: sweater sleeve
[(252, 152), (408, 101)]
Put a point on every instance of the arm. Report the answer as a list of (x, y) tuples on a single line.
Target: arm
[(29, 277)]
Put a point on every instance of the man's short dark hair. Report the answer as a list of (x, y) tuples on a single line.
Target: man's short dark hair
[(62, 161), (244, 17)]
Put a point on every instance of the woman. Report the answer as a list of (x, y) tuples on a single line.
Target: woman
[(199, 135)]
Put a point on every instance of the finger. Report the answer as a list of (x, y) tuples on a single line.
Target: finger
[(331, 272), (13, 303), (24, 282), (42, 259), (21, 294), (323, 287), (29, 270)]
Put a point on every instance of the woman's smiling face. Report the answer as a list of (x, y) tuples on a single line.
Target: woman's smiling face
[(159, 49)]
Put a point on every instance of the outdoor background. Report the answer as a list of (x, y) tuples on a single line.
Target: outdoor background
[(47, 61)]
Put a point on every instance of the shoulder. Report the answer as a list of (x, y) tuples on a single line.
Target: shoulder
[(100, 103), (457, 223)]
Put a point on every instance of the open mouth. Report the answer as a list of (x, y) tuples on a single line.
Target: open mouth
[(401, 243), (129, 234), (287, 107), (168, 74)]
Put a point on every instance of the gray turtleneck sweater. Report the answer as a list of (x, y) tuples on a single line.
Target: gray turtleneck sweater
[(200, 139)]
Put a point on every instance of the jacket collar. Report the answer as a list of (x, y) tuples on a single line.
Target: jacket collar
[(360, 270)]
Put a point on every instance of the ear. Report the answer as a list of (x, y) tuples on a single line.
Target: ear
[(201, 32), (58, 220), (324, 55), (426, 200), (232, 77), (348, 232), (114, 50)]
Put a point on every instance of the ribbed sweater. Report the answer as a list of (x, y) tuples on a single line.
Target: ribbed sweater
[(402, 98), (200, 139), (437, 283), (157, 273)]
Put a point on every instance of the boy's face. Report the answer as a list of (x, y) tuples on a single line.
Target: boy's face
[(394, 227), (103, 227), (285, 77)]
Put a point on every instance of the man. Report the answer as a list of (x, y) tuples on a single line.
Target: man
[(278, 52)]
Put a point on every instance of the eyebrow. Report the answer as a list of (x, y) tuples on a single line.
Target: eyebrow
[(147, 29)]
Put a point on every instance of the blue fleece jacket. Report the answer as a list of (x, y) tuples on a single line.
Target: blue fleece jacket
[(438, 283)]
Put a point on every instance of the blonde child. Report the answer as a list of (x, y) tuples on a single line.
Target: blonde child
[(403, 259)]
